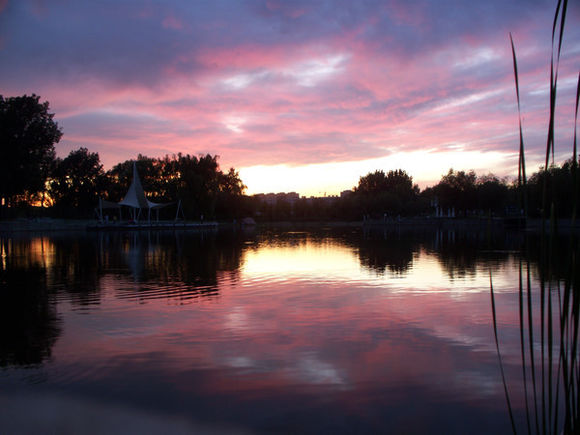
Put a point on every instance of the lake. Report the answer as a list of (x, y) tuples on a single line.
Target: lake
[(323, 330)]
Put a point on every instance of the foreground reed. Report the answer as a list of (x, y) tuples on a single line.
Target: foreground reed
[(549, 312)]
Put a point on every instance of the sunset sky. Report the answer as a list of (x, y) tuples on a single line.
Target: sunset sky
[(302, 96)]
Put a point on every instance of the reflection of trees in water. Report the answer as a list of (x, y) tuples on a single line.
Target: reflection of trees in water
[(177, 265), (377, 249), (75, 264), (28, 318), (462, 253), (36, 272), (556, 266), (302, 236), (75, 269), (458, 253), (392, 250)]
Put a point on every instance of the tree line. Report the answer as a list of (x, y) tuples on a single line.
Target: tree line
[(392, 195), (203, 188), (30, 173)]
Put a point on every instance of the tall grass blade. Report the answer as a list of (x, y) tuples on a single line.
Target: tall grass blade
[(531, 345), (494, 315), (550, 362), (565, 355), (574, 157), (564, 4), (550, 328), (523, 347), (569, 317), (554, 66), (561, 364), (574, 365), (558, 366), (522, 162), (575, 179), (554, 69), (574, 387), (550, 139)]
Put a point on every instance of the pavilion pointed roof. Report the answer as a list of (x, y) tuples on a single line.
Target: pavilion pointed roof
[(135, 196)]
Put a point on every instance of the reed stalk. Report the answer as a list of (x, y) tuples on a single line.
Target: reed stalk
[(553, 406)]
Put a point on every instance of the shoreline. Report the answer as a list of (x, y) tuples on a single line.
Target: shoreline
[(25, 225)]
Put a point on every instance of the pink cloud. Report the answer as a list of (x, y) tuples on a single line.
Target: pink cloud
[(171, 22), (365, 82), (287, 9)]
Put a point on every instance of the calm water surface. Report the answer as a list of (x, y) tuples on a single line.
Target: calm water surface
[(322, 331)]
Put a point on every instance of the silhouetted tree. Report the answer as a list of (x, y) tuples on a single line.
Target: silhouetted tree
[(27, 137), (373, 182), (159, 177), (392, 193), (197, 181), (229, 202), (559, 189), (457, 190), (492, 194), (198, 184), (77, 181)]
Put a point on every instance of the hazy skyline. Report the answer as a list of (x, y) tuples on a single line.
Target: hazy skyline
[(299, 96)]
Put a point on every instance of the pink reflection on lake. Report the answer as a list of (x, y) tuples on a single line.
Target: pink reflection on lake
[(301, 326)]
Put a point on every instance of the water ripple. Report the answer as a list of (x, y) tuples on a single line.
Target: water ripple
[(173, 291)]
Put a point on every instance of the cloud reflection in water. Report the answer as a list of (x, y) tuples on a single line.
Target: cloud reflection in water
[(307, 332)]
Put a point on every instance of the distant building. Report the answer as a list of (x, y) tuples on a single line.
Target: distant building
[(322, 199), (274, 198)]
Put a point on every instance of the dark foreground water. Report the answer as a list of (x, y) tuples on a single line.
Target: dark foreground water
[(324, 331)]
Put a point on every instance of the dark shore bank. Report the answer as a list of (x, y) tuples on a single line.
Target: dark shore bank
[(460, 224)]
